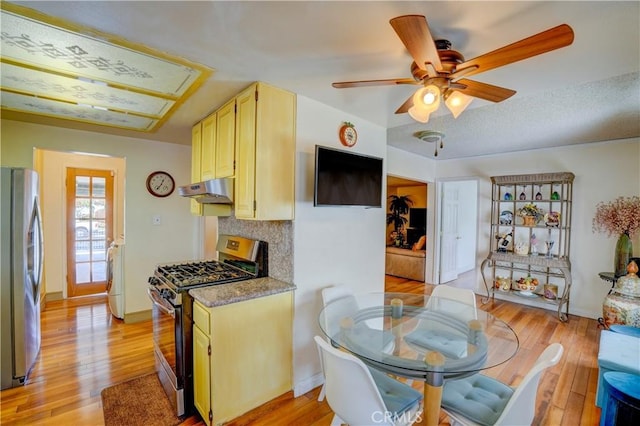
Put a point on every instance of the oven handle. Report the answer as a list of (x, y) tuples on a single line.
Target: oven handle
[(161, 303)]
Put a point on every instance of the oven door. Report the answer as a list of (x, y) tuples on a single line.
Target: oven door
[(167, 341)]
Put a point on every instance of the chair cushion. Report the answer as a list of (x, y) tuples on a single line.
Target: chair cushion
[(619, 352), (478, 398), (397, 396), (451, 345), (363, 333), (629, 330)]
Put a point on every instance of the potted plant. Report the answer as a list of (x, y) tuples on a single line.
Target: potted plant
[(621, 218), (530, 214), (398, 207)]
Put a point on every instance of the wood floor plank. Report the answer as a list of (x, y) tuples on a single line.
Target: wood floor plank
[(85, 349)]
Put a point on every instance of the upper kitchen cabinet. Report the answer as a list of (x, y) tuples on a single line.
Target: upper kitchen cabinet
[(196, 151), (225, 153), (208, 149), (265, 153), (203, 167)]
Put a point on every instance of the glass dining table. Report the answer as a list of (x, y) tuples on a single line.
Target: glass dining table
[(419, 337)]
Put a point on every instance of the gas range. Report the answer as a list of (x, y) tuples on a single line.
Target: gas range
[(173, 279), (172, 312), (239, 259)]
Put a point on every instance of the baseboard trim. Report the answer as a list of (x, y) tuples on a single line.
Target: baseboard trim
[(137, 316), (54, 295), (308, 384)]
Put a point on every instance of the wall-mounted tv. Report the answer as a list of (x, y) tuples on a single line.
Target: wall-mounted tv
[(347, 179), (417, 217)]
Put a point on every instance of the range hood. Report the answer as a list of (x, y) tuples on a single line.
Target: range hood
[(214, 191)]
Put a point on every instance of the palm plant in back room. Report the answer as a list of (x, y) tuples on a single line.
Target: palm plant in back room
[(398, 208)]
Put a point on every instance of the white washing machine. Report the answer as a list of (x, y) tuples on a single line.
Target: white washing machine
[(115, 278)]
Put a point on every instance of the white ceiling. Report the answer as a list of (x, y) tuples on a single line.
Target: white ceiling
[(586, 92)]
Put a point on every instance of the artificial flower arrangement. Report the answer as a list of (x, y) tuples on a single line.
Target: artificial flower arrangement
[(531, 210), (617, 217)]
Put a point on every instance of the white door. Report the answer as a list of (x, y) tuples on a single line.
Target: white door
[(449, 233)]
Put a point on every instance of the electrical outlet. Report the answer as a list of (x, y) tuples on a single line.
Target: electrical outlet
[(156, 220)]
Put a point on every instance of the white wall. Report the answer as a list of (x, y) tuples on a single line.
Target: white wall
[(333, 245), (177, 238), (603, 172)]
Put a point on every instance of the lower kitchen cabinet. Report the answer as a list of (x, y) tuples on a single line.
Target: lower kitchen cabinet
[(242, 355)]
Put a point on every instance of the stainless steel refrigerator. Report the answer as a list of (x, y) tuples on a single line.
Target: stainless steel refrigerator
[(21, 274)]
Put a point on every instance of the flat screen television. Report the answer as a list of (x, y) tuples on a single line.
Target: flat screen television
[(347, 179), (418, 217)]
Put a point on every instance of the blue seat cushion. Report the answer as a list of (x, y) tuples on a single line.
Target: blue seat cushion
[(617, 352), (397, 396), (451, 345), (629, 330), (478, 398)]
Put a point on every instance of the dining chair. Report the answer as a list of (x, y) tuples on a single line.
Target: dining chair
[(333, 293), (443, 292), (456, 302), (482, 400), (362, 396)]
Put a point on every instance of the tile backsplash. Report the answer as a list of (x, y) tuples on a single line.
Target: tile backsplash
[(277, 234)]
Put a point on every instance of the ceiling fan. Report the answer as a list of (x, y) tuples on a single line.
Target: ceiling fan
[(442, 72)]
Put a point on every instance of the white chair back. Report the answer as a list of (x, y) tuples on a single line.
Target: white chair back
[(331, 294), (442, 292), (349, 388), (521, 407), (353, 393)]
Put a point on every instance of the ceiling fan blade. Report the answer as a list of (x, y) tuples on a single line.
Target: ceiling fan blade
[(414, 33), (364, 83), (485, 91), (405, 106), (543, 42)]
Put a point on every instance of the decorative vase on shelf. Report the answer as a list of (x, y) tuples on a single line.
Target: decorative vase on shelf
[(623, 253)]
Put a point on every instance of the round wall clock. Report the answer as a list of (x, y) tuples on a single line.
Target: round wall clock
[(348, 135), (160, 184)]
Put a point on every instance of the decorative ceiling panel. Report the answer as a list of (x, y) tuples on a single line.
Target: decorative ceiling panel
[(78, 112), (92, 77), (37, 83)]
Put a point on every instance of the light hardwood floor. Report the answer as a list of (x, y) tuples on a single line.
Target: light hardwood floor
[(84, 349)]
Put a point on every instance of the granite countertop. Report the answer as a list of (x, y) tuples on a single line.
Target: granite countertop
[(224, 294)]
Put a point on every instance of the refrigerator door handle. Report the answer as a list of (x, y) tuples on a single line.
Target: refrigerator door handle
[(35, 246)]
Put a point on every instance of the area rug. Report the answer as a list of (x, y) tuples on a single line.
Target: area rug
[(140, 401)]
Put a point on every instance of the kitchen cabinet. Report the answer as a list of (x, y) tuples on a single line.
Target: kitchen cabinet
[(265, 153), (203, 135), (196, 151), (225, 153), (242, 355), (208, 148), (539, 249)]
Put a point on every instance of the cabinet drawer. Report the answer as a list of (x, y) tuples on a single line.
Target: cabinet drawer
[(201, 317)]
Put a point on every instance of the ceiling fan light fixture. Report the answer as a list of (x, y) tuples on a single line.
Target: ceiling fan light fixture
[(427, 97), (457, 102), (419, 114)]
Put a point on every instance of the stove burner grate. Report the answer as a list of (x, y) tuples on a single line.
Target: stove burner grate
[(195, 273)]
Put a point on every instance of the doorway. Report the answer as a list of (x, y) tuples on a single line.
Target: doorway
[(417, 223), (457, 222), (89, 201)]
